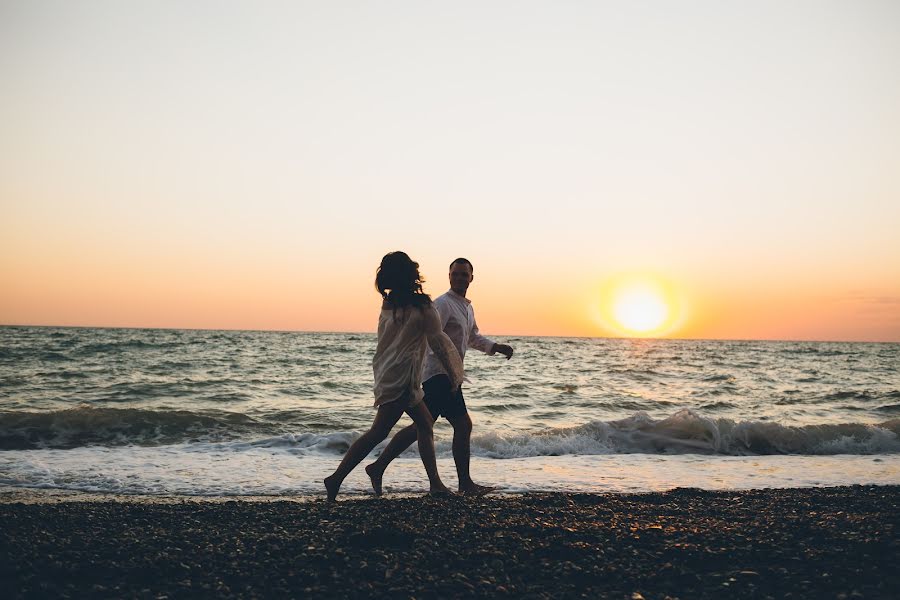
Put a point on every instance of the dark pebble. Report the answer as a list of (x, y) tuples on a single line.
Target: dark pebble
[(797, 543)]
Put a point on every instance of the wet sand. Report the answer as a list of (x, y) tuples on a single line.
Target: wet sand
[(686, 543)]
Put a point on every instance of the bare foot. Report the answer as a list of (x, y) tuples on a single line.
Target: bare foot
[(375, 476), (441, 491), (332, 488), (473, 489)]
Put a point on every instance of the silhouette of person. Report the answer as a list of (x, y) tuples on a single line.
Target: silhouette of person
[(442, 396), (407, 325)]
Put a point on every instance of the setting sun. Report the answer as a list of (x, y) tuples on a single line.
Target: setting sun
[(640, 310), (640, 305)]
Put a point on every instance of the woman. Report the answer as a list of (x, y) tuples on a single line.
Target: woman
[(407, 325)]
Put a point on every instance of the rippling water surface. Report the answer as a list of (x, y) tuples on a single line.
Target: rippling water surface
[(216, 412)]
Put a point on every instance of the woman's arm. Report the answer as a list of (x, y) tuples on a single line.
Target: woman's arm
[(443, 348)]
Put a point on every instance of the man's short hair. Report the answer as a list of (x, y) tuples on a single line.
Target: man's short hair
[(462, 261)]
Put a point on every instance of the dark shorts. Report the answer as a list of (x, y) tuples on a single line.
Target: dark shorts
[(441, 400)]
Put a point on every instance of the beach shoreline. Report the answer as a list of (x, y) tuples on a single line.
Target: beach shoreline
[(836, 542)]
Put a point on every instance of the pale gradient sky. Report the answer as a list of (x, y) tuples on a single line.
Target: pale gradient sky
[(247, 164)]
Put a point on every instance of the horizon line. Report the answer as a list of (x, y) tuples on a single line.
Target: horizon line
[(590, 337)]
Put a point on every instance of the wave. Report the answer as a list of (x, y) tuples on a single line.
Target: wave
[(88, 426), (110, 347), (818, 350), (684, 432), (53, 357), (566, 388), (721, 405), (850, 395), (719, 377), (687, 432)]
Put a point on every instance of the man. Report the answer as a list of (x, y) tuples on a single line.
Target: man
[(458, 322)]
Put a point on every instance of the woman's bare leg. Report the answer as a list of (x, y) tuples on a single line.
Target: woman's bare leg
[(425, 435), (386, 417)]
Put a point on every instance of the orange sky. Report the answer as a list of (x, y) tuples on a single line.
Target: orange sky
[(535, 300), (213, 167)]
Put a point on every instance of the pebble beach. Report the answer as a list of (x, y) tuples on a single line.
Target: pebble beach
[(836, 542)]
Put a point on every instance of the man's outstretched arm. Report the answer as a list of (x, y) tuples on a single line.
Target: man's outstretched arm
[(487, 345)]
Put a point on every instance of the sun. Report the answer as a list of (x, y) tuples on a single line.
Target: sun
[(640, 310), (640, 305)]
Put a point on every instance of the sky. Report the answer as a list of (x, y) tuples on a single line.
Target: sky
[(245, 165)]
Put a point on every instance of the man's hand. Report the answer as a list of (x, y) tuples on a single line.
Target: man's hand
[(503, 349)]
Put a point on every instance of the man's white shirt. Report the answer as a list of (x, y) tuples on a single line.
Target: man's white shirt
[(458, 322)]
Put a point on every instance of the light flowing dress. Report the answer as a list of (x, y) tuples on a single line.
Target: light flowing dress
[(404, 334)]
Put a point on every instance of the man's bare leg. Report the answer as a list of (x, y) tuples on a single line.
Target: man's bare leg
[(462, 452), (425, 436), (402, 440)]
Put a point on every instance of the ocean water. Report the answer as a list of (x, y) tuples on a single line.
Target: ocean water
[(133, 411)]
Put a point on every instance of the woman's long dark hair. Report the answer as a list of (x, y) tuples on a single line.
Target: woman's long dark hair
[(398, 281)]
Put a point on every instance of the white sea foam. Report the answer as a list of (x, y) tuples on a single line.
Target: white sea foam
[(687, 432), (280, 472)]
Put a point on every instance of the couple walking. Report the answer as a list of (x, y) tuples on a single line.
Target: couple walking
[(409, 325)]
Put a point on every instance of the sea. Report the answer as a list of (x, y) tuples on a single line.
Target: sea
[(257, 413)]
